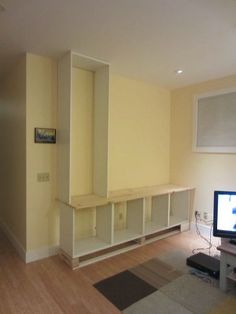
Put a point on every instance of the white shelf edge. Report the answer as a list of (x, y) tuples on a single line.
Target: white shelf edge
[(126, 236), (177, 221), (126, 249), (157, 229), (100, 246)]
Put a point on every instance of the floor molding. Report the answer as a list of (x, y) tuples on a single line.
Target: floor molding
[(204, 229), (13, 239), (35, 255), (27, 256)]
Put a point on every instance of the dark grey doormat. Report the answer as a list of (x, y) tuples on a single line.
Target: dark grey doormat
[(124, 289)]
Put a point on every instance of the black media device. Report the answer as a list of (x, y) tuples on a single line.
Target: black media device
[(205, 263)]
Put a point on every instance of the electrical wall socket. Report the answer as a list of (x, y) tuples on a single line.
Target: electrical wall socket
[(207, 216), (43, 177)]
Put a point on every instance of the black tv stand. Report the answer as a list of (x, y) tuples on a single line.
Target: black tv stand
[(232, 241)]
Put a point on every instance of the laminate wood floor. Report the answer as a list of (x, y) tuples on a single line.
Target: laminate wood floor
[(50, 286)]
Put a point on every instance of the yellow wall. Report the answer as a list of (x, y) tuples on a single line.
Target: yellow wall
[(82, 132), (42, 215), (13, 152), (139, 134), (206, 172), (138, 138), (140, 150)]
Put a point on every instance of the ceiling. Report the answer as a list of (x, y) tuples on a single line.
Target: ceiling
[(142, 39)]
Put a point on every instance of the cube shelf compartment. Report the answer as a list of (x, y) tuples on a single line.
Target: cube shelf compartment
[(158, 217), (98, 230), (179, 202), (133, 222)]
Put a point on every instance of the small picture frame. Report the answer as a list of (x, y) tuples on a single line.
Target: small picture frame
[(45, 135)]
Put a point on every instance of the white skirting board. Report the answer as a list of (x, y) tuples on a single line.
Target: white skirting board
[(27, 256), (205, 231), (35, 255), (12, 238)]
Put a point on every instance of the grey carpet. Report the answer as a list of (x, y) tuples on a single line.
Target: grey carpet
[(156, 303), (186, 294), (179, 292), (176, 259), (194, 294), (156, 272)]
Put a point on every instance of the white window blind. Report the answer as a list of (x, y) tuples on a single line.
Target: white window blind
[(215, 122)]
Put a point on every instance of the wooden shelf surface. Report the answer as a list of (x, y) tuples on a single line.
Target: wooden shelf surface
[(92, 200), (89, 245), (135, 193), (124, 235), (174, 220), (152, 227), (86, 201)]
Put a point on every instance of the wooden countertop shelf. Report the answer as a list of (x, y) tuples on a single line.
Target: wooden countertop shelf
[(92, 200), (86, 201), (135, 193)]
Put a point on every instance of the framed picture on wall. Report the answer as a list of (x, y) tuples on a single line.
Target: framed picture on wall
[(45, 135)]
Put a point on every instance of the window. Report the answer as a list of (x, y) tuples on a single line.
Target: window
[(215, 122)]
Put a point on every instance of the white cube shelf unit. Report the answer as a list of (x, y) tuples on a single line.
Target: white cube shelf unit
[(95, 222), (94, 227), (82, 142)]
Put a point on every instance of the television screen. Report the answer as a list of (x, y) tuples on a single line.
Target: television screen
[(224, 214)]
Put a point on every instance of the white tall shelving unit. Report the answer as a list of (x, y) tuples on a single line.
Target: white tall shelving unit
[(98, 234), (103, 223), (100, 71)]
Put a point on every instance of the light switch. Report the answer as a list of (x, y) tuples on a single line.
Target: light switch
[(43, 177)]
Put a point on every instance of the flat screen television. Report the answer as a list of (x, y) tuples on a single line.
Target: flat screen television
[(224, 216)]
